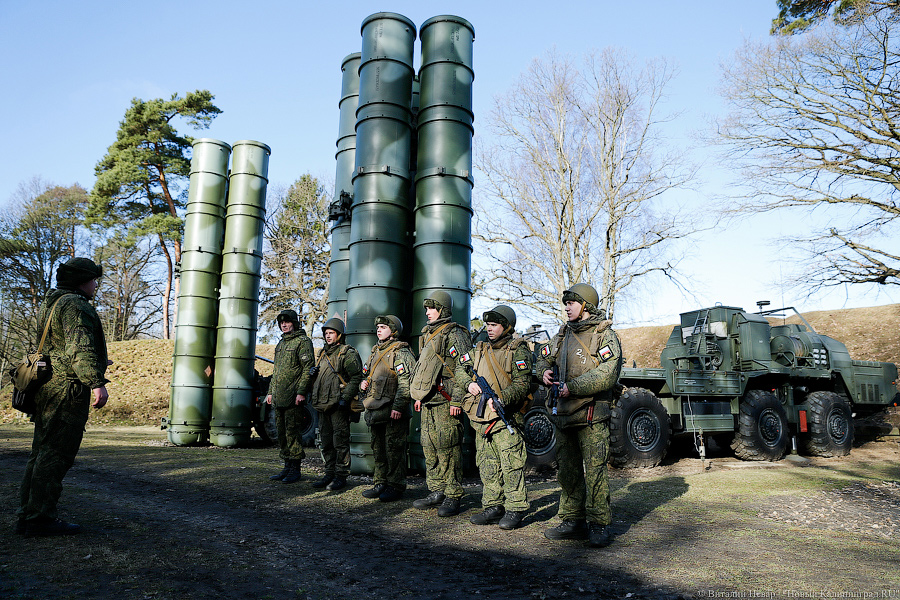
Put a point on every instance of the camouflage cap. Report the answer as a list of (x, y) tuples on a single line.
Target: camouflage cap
[(77, 271)]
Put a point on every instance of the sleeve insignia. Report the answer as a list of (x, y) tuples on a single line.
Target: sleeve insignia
[(545, 351), (453, 352), (605, 353), (401, 369), (365, 369), (464, 358), (521, 365)]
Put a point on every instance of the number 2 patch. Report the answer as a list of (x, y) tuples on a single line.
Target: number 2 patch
[(605, 353)]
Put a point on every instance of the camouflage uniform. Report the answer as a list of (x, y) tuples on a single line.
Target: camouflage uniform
[(388, 371), (293, 359), (589, 357), (444, 345), (337, 383), (506, 365), (77, 350)]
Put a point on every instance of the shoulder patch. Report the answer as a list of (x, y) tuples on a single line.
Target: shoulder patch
[(464, 358), (453, 351), (545, 351), (365, 369), (605, 353), (401, 369), (521, 365)]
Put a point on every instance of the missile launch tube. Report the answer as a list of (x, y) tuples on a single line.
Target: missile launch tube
[(232, 398), (190, 401)]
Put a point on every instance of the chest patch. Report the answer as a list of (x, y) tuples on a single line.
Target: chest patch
[(605, 353)]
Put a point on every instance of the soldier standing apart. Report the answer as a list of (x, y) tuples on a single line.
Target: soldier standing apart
[(386, 389), (77, 350), (338, 371), (589, 358), (505, 364), (443, 347), (288, 388)]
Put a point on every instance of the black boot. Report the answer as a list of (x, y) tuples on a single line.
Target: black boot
[(338, 483), (323, 481), (293, 475), (284, 472), (432, 499), (374, 492), (390, 494), (489, 516), (568, 530), (449, 507), (45, 528), (511, 519), (599, 536)]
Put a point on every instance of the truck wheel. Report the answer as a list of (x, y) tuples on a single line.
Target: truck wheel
[(762, 428), (830, 425), (267, 429), (639, 430), (309, 420), (539, 436)]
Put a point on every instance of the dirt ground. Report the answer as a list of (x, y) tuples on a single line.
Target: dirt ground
[(163, 522)]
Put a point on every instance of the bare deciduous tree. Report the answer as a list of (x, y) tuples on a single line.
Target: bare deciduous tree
[(813, 126), (575, 172)]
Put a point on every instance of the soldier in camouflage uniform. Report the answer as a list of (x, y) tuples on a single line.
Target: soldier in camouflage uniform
[(338, 372), (505, 363), (288, 388), (443, 347), (587, 352), (76, 348), (386, 400)]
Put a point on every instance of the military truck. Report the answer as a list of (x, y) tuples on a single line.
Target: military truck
[(726, 372)]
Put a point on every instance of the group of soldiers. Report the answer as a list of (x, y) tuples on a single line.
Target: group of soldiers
[(489, 382)]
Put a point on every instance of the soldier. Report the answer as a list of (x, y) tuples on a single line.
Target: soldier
[(338, 372), (505, 364), (289, 385), (443, 347), (76, 346), (589, 358), (386, 391)]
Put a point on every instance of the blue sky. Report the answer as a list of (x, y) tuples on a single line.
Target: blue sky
[(70, 70)]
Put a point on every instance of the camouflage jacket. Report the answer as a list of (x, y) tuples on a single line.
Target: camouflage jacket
[(76, 343), (293, 359), (388, 371), (506, 365), (443, 347), (340, 373)]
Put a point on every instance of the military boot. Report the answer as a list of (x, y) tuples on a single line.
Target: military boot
[(323, 481), (374, 492), (449, 507), (48, 527), (429, 501), (338, 483), (568, 530), (511, 519), (284, 472), (599, 536), (489, 516), (293, 474), (390, 494)]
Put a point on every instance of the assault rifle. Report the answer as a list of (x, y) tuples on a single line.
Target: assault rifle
[(488, 393), (553, 396)]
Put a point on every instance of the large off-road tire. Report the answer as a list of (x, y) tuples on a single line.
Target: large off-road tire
[(539, 436), (830, 422), (763, 432), (639, 430), (268, 430)]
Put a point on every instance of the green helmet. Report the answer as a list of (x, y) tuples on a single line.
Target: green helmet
[(440, 300), (584, 294), (335, 324), (502, 314), (391, 321)]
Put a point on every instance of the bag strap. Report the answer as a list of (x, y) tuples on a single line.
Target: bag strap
[(389, 349), (333, 370), (47, 326)]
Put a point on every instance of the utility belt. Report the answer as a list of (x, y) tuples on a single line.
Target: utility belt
[(593, 411)]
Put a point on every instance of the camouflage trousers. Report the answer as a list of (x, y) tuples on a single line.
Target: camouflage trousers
[(389, 452), (442, 445), (334, 434), (581, 454), (289, 422), (501, 465), (58, 430)]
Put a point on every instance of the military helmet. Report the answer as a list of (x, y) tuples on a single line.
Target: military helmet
[(439, 299), (77, 271), (584, 294), (288, 315), (391, 321), (502, 314), (335, 324)]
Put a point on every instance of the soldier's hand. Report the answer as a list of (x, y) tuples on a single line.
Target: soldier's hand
[(299, 399), (564, 391), (396, 414), (474, 389), (548, 377), (269, 399), (364, 385), (418, 406), (455, 411), (100, 397)]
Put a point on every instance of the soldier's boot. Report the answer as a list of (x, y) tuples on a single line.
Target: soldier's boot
[(429, 501), (449, 507), (568, 530), (390, 494), (323, 481), (293, 474), (489, 516), (46, 528), (511, 519), (338, 483), (20, 526), (599, 536), (374, 492), (284, 472)]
